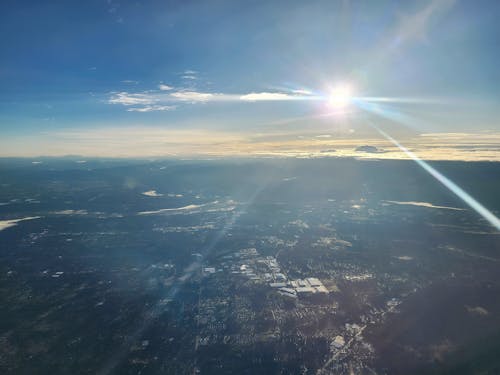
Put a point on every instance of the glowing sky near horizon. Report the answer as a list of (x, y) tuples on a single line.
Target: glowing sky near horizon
[(240, 71)]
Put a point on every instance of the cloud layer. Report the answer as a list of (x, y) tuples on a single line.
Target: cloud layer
[(161, 142)]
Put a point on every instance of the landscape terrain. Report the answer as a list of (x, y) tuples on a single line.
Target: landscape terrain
[(299, 266)]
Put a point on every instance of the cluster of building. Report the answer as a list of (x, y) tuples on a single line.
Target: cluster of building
[(293, 288), (249, 263), (266, 269)]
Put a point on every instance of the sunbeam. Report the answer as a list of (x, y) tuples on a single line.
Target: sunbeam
[(453, 187), (156, 311)]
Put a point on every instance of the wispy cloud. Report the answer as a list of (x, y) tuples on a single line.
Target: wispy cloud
[(160, 100), (257, 96), (193, 96), (189, 74), (160, 142), (151, 108), (302, 92), (164, 87), (165, 98), (126, 98)]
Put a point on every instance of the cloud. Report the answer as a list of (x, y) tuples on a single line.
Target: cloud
[(189, 74), (257, 96), (474, 138), (126, 98), (164, 97), (193, 96), (151, 108), (164, 87), (160, 101), (124, 141), (302, 92), (143, 141)]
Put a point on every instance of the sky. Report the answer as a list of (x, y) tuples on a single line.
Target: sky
[(218, 78)]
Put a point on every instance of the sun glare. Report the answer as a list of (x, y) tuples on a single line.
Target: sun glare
[(340, 96)]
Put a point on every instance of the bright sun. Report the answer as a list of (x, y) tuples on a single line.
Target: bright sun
[(340, 96)]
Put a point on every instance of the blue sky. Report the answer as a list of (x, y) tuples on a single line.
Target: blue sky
[(73, 67)]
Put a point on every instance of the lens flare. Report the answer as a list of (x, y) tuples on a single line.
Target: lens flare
[(452, 186)]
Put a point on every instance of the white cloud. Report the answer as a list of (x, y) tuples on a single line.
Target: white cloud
[(193, 96), (161, 141), (165, 96), (189, 74), (163, 87), (151, 108), (256, 96), (126, 98), (302, 92), (159, 101)]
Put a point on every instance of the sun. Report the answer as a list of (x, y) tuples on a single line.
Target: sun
[(340, 96)]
